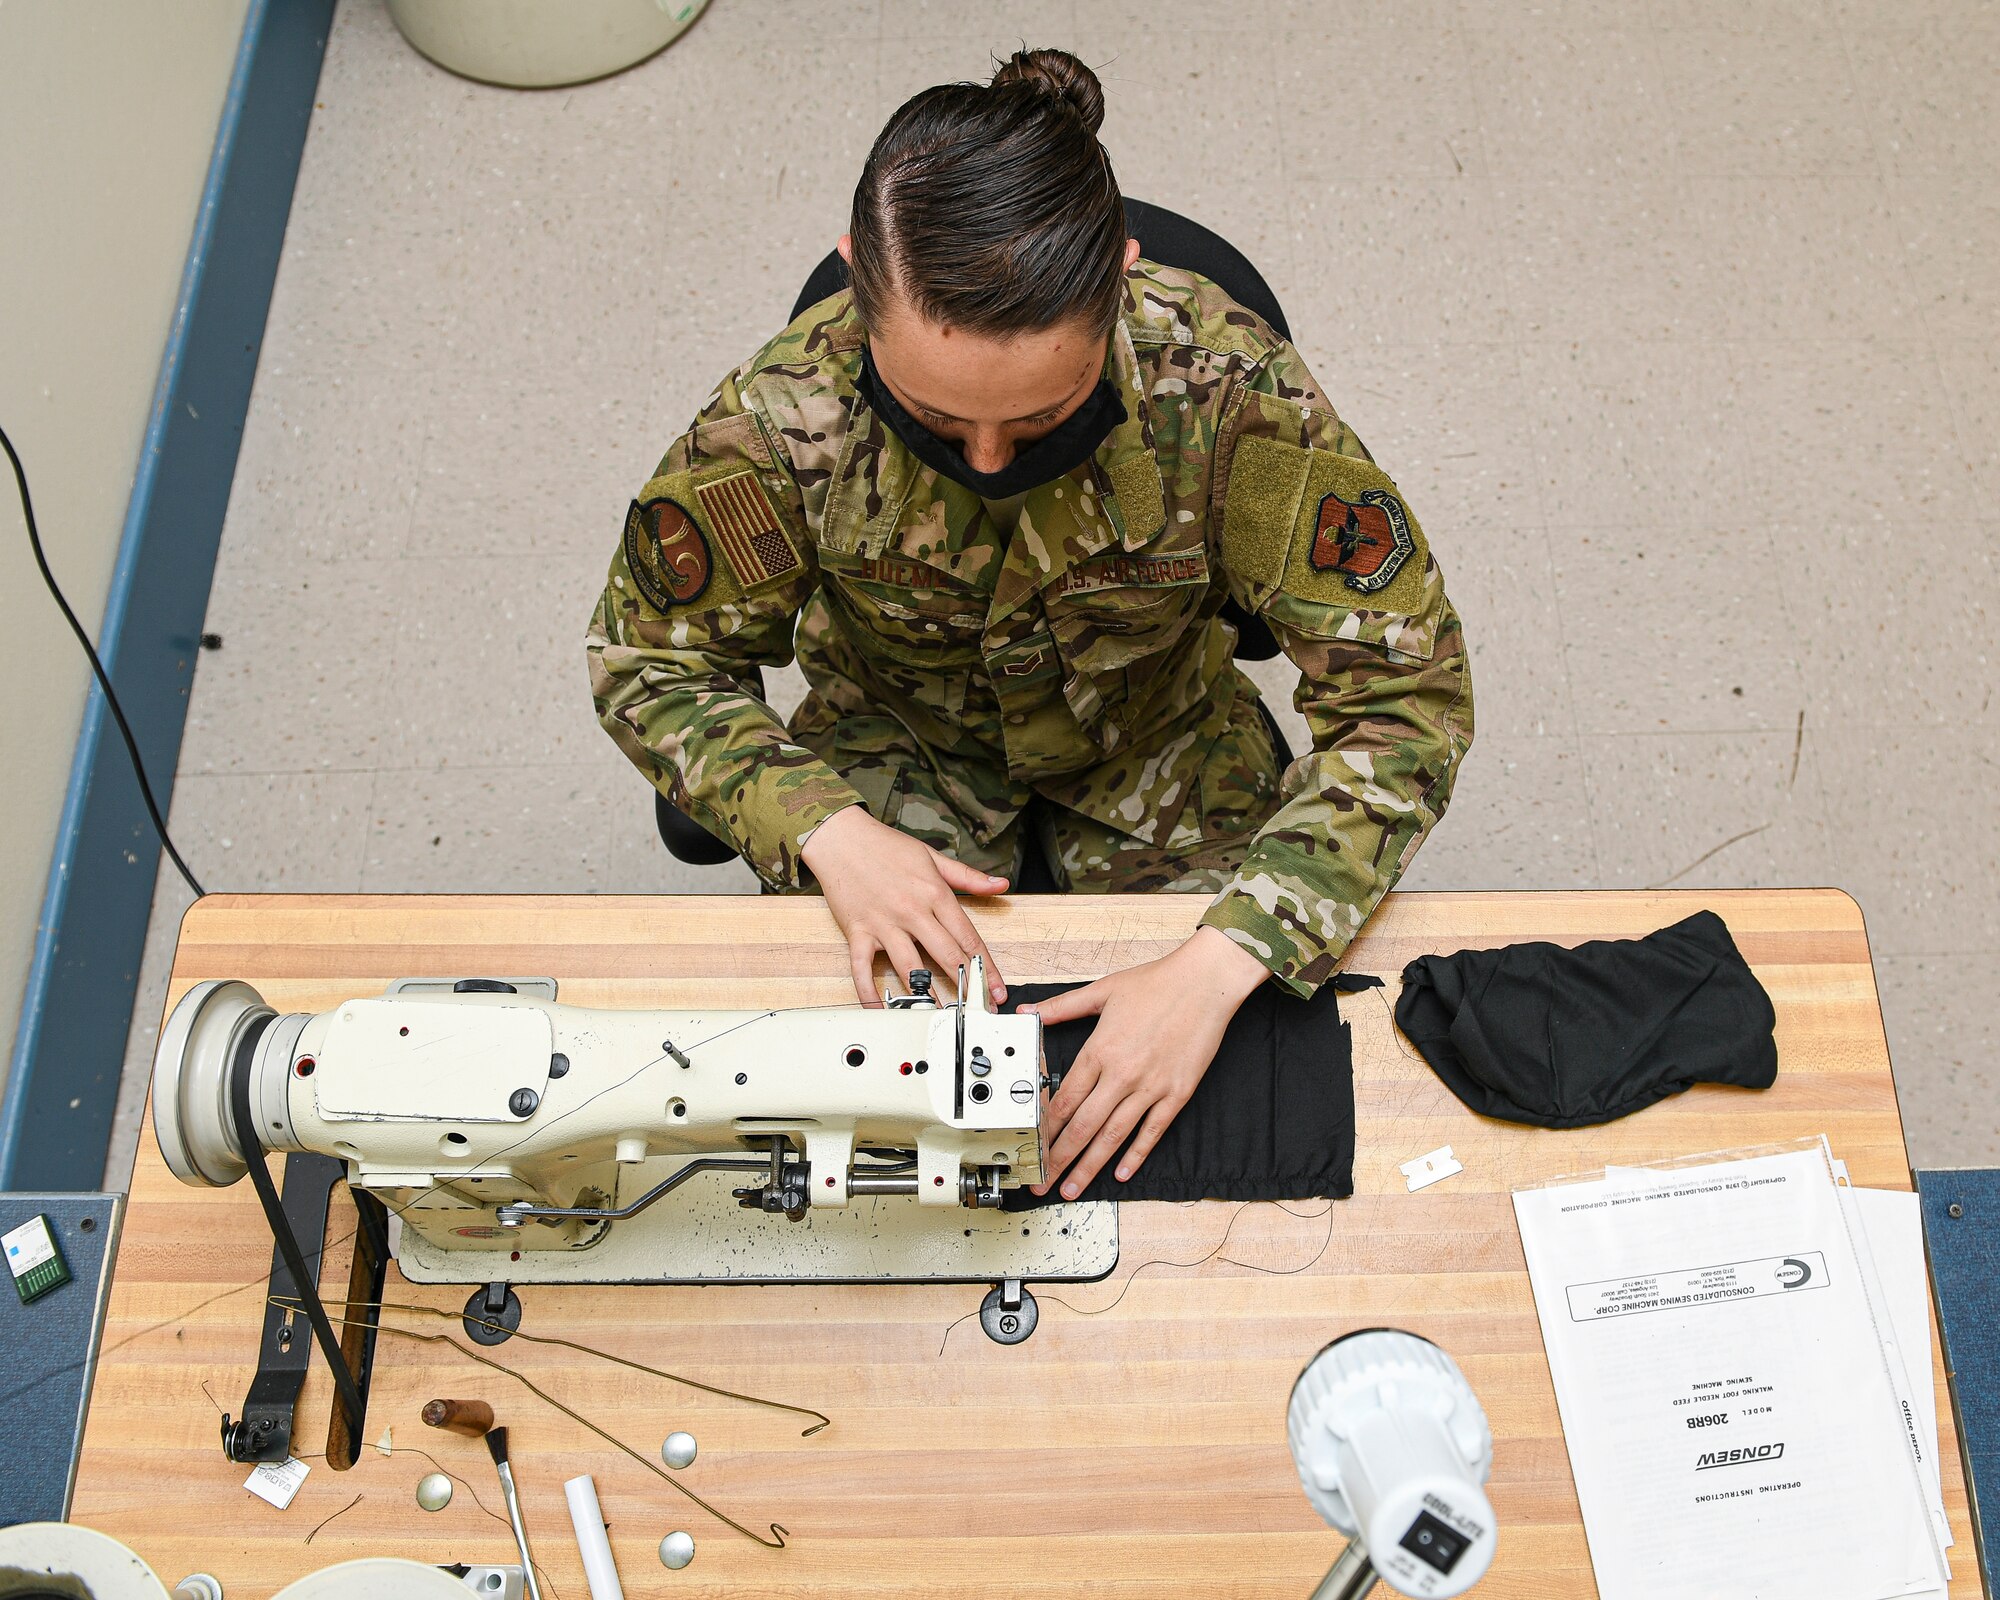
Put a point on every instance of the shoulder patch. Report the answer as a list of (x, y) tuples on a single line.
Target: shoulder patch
[(1354, 544), (1328, 531), (666, 552), (1366, 541), (746, 525)]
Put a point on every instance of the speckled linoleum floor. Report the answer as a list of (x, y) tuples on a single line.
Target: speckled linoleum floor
[(1675, 319)]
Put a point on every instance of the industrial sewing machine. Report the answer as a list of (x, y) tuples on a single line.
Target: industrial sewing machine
[(515, 1140)]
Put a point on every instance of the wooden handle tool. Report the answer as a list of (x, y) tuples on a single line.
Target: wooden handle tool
[(470, 1417)]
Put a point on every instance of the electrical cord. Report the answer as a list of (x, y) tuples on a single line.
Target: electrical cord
[(96, 666)]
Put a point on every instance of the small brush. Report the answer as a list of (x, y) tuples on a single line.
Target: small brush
[(496, 1444)]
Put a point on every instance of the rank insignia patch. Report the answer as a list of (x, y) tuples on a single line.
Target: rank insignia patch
[(740, 513), (1366, 541), (666, 552)]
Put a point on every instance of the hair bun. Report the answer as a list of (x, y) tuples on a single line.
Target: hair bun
[(1059, 75)]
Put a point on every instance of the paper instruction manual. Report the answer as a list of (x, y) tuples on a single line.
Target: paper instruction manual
[(1731, 1420), (1889, 1233)]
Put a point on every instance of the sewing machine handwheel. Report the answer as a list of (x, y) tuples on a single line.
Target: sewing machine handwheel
[(1008, 1313), (492, 1314), (191, 1067)]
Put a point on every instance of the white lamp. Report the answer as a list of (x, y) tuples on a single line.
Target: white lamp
[(1392, 1448)]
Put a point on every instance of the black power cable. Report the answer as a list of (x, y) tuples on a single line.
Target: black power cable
[(96, 666)]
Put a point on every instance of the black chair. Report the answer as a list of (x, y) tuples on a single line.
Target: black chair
[(1164, 236)]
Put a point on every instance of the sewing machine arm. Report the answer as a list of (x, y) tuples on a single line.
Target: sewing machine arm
[(487, 1111)]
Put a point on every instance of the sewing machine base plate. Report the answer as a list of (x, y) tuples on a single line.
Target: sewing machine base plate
[(700, 1235)]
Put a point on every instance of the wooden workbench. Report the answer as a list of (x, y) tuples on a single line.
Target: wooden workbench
[(1137, 1453)]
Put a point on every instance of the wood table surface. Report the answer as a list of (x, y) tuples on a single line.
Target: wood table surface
[(1138, 1451)]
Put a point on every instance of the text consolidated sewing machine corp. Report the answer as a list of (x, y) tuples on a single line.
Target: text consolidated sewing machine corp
[(831, 1143)]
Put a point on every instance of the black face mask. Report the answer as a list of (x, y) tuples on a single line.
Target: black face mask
[(1073, 441)]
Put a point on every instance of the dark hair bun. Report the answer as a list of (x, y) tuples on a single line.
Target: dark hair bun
[(1059, 75)]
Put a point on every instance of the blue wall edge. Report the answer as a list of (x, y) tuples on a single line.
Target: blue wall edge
[(69, 1048)]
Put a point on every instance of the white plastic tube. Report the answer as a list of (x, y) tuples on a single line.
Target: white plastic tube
[(588, 1517)]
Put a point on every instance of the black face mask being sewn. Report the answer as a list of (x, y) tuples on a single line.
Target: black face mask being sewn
[(1072, 442)]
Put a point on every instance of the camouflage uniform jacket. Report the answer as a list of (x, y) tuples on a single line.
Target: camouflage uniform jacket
[(1082, 658)]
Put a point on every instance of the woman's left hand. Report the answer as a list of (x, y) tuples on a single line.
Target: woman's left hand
[(1159, 1027)]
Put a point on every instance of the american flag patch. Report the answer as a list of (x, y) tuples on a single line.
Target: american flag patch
[(747, 528)]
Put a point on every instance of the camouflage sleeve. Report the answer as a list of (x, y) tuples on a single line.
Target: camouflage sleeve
[(706, 586), (1316, 539)]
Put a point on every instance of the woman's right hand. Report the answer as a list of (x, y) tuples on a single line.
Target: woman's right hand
[(892, 893)]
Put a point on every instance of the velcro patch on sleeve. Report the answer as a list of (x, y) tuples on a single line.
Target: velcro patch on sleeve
[(1353, 541), (1138, 496), (1267, 478), (737, 511)]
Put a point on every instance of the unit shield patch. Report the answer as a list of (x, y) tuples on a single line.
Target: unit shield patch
[(666, 552), (1366, 540)]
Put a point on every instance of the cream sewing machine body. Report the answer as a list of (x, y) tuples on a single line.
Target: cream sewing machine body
[(515, 1139)]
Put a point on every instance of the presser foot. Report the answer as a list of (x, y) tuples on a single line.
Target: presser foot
[(492, 1314), (1008, 1313)]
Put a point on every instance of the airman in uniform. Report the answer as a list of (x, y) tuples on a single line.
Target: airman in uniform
[(1010, 616)]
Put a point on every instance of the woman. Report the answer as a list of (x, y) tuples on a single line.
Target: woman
[(995, 497)]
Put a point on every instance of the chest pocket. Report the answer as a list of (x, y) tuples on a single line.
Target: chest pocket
[(1118, 620), (905, 610)]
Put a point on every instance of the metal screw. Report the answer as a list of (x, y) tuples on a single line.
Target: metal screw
[(1954, 1210), (558, 1064), (1010, 1323), (1022, 1092), (522, 1102), (742, 1077)]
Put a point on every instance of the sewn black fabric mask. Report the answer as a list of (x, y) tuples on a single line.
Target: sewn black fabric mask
[(1561, 1038), (1072, 442)]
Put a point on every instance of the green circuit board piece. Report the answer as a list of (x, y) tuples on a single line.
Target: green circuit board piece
[(35, 1259)]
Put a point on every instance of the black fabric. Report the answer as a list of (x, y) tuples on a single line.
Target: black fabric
[(1062, 449), (1562, 1038), (1272, 1119)]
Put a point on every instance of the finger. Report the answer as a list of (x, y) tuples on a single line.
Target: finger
[(1062, 1105), (1077, 1084), (1117, 1128), (958, 927), (948, 953), (967, 880), (861, 962), (1085, 1002), (1084, 1123), (902, 954), (1158, 1120)]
